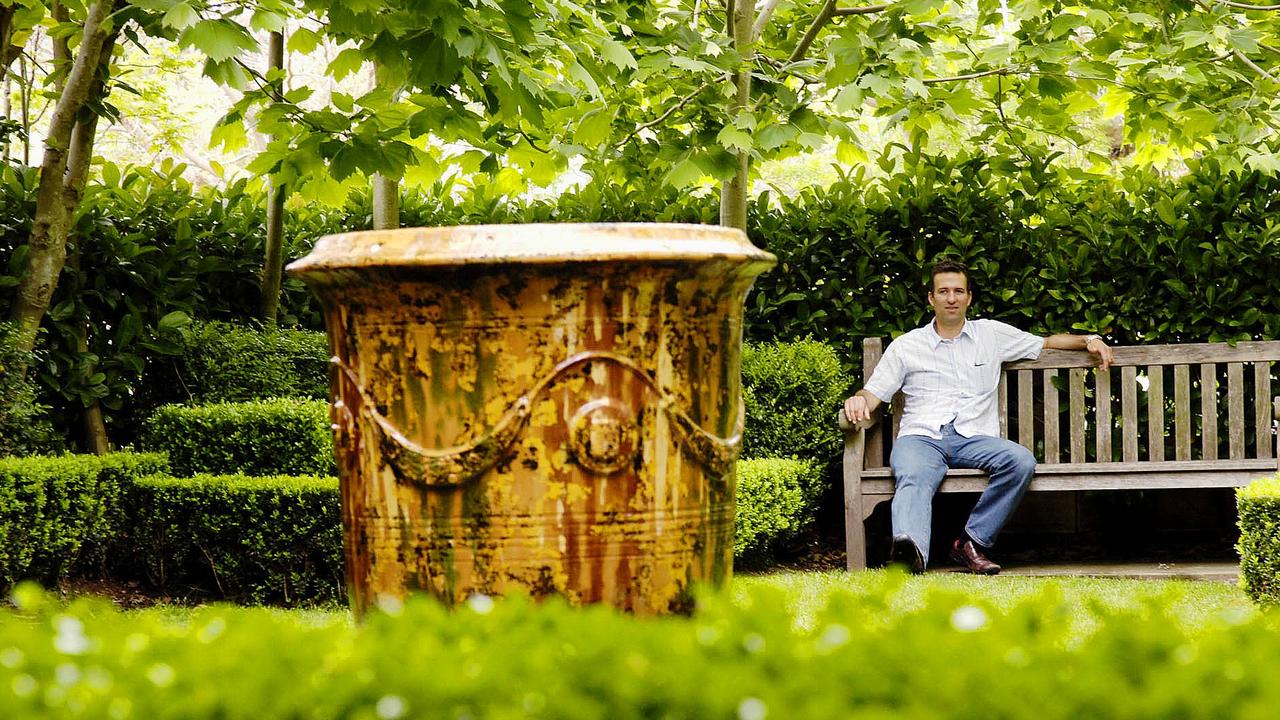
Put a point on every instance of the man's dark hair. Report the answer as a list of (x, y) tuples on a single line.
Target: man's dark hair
[(950, 266)]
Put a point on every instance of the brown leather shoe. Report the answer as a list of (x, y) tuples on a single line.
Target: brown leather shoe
[(967, 553)]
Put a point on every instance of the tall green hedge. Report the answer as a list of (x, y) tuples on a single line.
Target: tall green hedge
[(1258, 510), (225, 362), (286, 436), (1141, 257), (65, 514)]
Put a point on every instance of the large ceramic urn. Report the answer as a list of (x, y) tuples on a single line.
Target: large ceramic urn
[(553, 409)]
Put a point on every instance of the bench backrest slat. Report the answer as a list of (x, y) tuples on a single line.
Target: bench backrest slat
[(872, 351), (1002, 404), (1235, 410), (1130, 413), (1262, 407), (1155, 413), (1182, 411), (1208, 412), (1075, 393), (1102, 414), (1026, 410)]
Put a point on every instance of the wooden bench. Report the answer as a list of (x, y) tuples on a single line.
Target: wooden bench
[(1051, 406)]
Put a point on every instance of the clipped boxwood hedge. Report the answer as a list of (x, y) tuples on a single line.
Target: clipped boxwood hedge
[(947, 658), (792, 391), (284, 436), (772, 501), (260, 539), (59, 514), (1259, 518)]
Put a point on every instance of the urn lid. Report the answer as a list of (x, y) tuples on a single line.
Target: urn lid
[(529, 244)]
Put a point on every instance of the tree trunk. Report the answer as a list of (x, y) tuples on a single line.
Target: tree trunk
[(273, 262), (51, 224), (79, 159), (733, 192), (386, 203), (8, 51)]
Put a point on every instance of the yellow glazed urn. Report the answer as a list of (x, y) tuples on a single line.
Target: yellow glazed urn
[(555, 409)]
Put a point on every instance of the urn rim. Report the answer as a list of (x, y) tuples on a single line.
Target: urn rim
[(532, 243)]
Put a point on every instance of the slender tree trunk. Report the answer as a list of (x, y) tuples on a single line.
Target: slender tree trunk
[(386, 203), (273, 263), (386, 192), (51, 224), (8, 109), (24, 88), (8, 51), (733, 192), (79, 159)]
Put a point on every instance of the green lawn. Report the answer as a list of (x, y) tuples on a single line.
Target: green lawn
[(889, 595), (1193, 604)]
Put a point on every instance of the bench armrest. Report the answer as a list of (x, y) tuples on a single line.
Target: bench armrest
[(848, 427)]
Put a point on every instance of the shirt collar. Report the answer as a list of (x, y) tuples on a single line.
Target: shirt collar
[(935, 339)]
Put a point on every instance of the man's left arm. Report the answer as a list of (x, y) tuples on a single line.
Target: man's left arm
[(1093, 343)]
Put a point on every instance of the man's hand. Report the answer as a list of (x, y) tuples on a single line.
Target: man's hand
[(1097, 347), (856, 409)]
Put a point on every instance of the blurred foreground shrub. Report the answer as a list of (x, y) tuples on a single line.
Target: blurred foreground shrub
[(947, 659)]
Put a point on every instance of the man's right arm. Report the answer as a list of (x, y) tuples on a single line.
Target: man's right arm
[(860, 406), (886, 380)]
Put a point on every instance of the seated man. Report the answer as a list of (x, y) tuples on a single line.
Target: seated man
[(949, 373)]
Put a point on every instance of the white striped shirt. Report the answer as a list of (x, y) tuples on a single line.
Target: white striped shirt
[(950, 380)]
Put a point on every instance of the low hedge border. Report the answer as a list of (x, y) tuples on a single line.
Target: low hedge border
[(282, 436), (66, 514), (773, 496), (260, 539), (511, 658), (1258, 510)]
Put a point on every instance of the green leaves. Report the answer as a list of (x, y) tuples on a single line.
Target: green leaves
[(181, 16), (220, 39)]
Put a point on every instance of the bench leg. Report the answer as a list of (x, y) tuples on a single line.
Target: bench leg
[(855, 535)]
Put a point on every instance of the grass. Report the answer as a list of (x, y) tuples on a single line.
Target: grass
[(891, 594), (1195, 605)]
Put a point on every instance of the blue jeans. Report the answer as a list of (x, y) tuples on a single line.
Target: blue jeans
[(920, 463)]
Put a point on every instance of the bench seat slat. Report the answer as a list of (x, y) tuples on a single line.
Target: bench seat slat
[(1101, 476)]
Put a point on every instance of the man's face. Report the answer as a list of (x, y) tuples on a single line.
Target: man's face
[(950, 296)]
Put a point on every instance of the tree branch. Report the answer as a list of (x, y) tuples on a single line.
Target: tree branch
[(1253, 66), (970, 76), (763, 14), (868, 10), (1245, 6), (785, 69), (683, 101), (822, 18)]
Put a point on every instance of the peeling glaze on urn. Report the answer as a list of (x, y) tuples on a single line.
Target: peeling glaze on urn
[(554, 409)]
